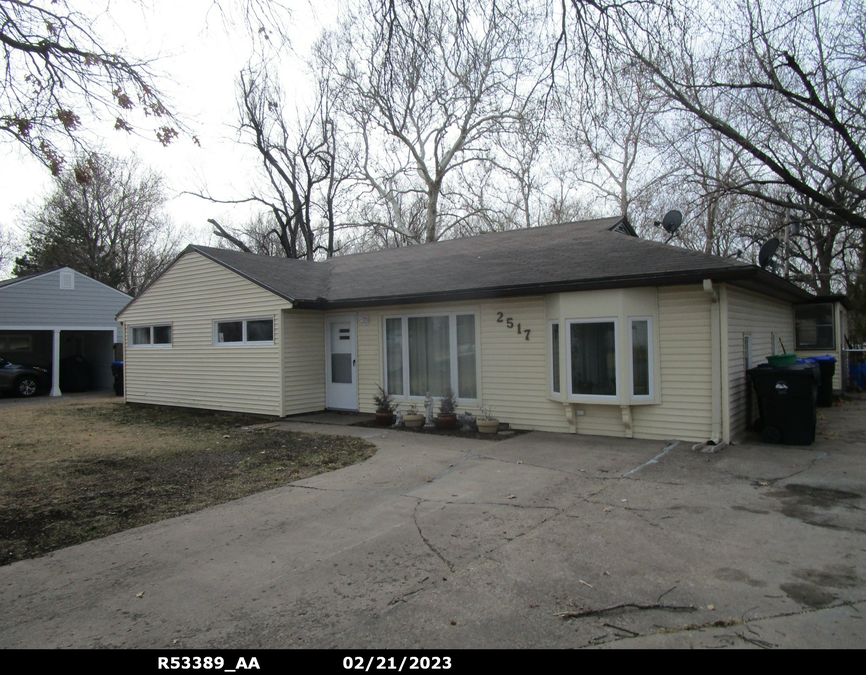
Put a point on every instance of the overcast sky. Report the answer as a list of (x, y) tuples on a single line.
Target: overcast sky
[(201, 57)]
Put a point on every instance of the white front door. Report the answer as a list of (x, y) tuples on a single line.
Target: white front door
[(341, 365)]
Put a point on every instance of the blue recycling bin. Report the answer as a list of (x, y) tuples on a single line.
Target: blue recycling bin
[(827, 366)]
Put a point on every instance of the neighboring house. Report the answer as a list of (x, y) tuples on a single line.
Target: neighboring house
[(47, 317), (580, 327)]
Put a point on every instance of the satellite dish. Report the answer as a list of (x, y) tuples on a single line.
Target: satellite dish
[(672, 221), (768, 250)]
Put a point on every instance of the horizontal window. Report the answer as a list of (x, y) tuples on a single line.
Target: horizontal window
[(258, 331), (431, 354), (151, 336)]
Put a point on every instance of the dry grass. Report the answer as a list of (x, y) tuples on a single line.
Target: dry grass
[(72, 472)]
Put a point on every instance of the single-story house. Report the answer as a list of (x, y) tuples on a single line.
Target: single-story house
[(47, 317), (578, 327)]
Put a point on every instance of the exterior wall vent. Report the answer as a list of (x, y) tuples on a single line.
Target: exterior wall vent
[(67, 280)]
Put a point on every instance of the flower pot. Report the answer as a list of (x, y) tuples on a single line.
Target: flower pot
[(487, 426), (446, 420), (386, 419), (413, 421)]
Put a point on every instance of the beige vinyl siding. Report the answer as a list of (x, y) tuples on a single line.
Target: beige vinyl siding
[(685, 355), (193, 372), (600, 420), (513, 376), (303, 361), (759, 316)]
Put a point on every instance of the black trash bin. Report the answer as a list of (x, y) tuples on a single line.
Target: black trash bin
[(788, 397), (117, 371), (74, 374), (827, 365)]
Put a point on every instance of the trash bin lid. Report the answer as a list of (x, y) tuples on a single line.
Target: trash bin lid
[(826, 357)]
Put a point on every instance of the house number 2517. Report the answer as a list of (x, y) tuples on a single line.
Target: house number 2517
[(509, 322)]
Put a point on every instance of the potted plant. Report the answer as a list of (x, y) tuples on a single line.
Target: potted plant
[(384, 407), (412, 418), (447, 417), (487, 424)]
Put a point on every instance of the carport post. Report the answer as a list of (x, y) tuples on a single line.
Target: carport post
[(55, 365)]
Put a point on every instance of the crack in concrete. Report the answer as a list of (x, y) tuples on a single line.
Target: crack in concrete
[(405, 494), (427, 541), (531, 529), (733, 622), (770, 482)]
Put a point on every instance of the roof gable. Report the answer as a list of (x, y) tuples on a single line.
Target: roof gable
[(61, 297)]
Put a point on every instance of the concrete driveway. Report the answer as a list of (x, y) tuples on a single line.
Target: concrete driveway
[(542, 540)]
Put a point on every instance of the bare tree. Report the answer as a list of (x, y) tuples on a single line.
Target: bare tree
[(609, 125), (104, 219), (301, 163), (426, 86), (64, 73), (9, 248), (781, 80), (58, 70)]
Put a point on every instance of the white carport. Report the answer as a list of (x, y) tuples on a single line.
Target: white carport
[(47, 317)]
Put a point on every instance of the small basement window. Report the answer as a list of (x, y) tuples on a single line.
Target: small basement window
[(815, 326), (258, 331), (151, 336)]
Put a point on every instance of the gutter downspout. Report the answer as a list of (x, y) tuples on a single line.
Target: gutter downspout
[(715, 359), (725, 360)]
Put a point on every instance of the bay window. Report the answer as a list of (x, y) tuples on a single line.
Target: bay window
[(592, 358), (554, 357), (594, 371), (640, 342), (434, 354)]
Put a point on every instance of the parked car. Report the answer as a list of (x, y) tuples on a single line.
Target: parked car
[(22, 380)]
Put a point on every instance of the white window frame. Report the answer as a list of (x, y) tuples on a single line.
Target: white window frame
[(151, 345), (452, 339), (553, 373), (591, 398), (244, 342), (650, 359)]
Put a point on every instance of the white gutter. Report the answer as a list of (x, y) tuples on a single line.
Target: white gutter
[(716, 358)]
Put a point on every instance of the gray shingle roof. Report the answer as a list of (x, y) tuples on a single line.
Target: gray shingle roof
[(581, 255)]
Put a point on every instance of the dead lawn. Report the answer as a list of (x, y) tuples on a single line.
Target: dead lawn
[(72, 472)]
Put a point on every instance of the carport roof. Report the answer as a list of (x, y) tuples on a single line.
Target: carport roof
[(585, 255)]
